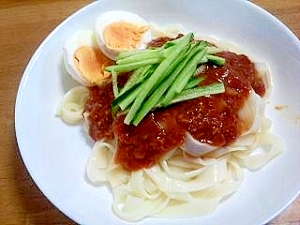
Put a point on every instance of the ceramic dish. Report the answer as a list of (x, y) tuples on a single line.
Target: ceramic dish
[(56, 154)]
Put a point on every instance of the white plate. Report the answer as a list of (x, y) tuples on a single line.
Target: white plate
[(55, 154)]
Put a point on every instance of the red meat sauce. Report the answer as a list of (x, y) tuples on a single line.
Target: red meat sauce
[(210, 119)]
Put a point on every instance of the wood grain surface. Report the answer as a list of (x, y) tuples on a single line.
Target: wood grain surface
[(24, 24)]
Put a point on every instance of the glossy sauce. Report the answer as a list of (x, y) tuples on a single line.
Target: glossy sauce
[(99, 110), (211, 119)]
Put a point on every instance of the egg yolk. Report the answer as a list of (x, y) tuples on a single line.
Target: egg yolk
[(123, 35), (91, 63)]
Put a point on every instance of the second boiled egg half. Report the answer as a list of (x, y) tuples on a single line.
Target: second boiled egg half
[(84, 60), (119, 31)]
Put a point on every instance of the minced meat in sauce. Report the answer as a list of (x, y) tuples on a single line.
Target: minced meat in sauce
[(210, 119)]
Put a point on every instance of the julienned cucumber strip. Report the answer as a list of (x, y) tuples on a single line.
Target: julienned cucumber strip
[(152, 101), (131, 89), (132, 66), (114, 79), (173, 65), (184, 71), (189, 94), (158, 75), (126, 54), (215, 88), (162, 71), (125, 102), (137, 77), (164, 85), (146, 55), (193, 82), (126, 97), (155, 53), (130, 55), (196, 92), (180, 64), (189, 70), (165, 71), (216, 59), (159, 91)]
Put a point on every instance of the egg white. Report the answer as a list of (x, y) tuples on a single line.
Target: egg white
[(110, 17), (79, 39)]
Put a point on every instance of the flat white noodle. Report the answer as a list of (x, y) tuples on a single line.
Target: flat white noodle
[(252, 113), (181, 184), (256, 146), (138, 191), (206, 178), (128, 206), (142, 186), (195, 147), (117, 175), (201, 205), (72, 105), (264, 72), (168, 31), (267, 147), (143, 191), (205, 201), (99, 162)]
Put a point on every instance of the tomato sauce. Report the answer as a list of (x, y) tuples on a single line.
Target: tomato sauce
[(99, 112), (210, 119)]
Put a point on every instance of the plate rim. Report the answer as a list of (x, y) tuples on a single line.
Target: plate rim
[(34, 57)]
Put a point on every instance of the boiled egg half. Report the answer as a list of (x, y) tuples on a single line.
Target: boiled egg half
[(119, 31), (84, 60)]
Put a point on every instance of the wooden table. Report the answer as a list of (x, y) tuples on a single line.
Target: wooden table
[(24, 24)]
